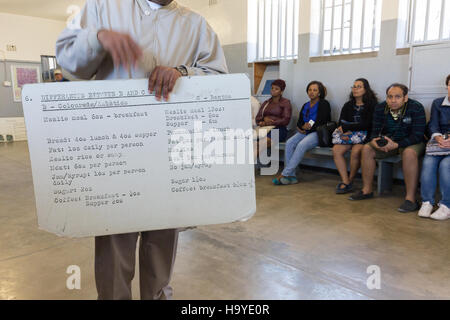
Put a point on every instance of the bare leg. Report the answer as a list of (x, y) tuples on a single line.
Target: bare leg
[(355, 161), (368, 168), (411, 173), (339, 151)]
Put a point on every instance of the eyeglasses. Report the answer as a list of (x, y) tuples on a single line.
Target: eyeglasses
[(356, 87)]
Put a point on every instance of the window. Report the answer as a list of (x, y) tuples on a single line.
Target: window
[(272, 30), (48, 66), (349, 26), (424, 21)]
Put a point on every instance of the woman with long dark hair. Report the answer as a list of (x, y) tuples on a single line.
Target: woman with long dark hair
[(314, 113), (354, 128)]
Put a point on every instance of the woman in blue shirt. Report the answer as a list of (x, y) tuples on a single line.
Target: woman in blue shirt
[(313, 114), (434, 166)]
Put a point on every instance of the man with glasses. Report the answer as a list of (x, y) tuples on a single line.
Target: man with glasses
[(398, 129)]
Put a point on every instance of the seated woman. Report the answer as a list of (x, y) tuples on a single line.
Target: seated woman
[(435, 166), (313, 114), (355, 123), (275, 112)]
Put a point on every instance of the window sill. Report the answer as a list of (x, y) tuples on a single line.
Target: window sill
[(351, 56), (402, 51)]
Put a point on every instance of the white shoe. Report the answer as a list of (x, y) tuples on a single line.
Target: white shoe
[(443, 213), (426, 209)]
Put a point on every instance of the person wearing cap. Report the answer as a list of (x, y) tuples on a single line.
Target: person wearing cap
[(274, 114), (59, 76), (161, 41)]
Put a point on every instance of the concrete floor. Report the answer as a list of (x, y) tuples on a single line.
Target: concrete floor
[(304, 242)]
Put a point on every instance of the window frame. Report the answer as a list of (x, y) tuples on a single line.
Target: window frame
[(408, 37), (375, 41), (257, 42)]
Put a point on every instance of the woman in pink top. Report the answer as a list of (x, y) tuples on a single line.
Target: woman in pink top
[(276, 112)]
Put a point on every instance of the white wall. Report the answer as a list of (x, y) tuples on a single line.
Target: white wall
[(228, 18), (338, 76), (33, 37)]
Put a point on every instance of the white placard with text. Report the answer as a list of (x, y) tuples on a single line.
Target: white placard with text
[(108, 158)]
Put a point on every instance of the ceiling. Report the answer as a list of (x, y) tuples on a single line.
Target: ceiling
[(49, 9)]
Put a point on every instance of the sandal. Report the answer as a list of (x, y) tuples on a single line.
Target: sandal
[(360, 196), (347, 188)]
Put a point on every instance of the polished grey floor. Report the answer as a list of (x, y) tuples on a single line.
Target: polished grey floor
[(304, 242)]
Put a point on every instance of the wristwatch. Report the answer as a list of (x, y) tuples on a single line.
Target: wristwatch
[(182, 70)]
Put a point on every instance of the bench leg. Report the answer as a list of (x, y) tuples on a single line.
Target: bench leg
[(385, 176)]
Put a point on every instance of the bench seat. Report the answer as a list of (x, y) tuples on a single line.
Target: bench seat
[(384, 172)]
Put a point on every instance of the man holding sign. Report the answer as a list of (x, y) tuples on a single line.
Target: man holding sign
[(161, 41)]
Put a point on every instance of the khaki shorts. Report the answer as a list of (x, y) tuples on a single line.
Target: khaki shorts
[(418, 148)]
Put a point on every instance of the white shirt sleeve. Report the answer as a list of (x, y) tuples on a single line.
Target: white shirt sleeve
[(77, 48)]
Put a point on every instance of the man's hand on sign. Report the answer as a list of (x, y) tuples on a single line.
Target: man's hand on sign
[(162, 80), (124, 51)]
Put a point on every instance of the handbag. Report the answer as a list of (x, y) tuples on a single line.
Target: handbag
[(325, 132), (355, 137), (433, 149)]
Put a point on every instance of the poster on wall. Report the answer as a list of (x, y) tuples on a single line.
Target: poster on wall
[(22, 75)]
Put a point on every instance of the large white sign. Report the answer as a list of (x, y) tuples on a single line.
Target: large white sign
[(108, 158)]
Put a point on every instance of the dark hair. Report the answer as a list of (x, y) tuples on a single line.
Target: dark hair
[(369, 98), (322, 89), (448, 80), (398, 85), (280, 83)]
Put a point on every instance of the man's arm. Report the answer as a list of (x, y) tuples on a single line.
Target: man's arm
[(417, 129), (81, 49), (77, 48), (209, 58)]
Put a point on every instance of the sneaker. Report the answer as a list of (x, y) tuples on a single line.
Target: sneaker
[(408, 206), (443, 213), (426, 209), (360, 196), (285, 181), (288, 180)]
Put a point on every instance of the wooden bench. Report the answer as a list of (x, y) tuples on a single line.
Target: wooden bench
[(384, 172)]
